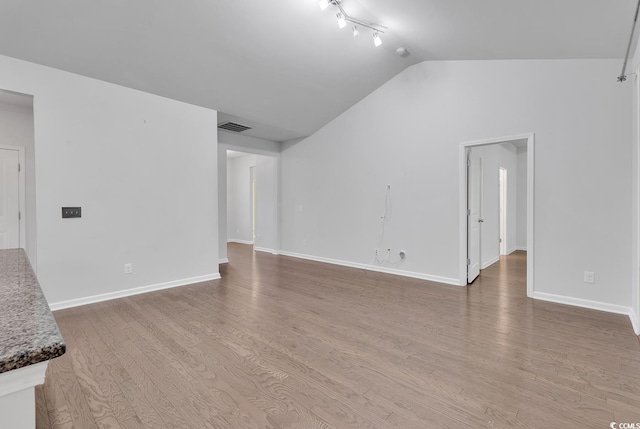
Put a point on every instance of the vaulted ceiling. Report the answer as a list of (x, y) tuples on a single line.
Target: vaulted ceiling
[(284, 66)]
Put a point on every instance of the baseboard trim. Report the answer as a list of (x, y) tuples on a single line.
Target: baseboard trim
[(386, 270), (634, 322), (264, 249), (130, 292), (490, 263), (585, 303), (510, 251), (523, 248), (233, 240), (223, 261)]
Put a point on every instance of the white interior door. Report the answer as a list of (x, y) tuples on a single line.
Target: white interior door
[(474, 172), (503, 210), (9, 199), (254, 200)]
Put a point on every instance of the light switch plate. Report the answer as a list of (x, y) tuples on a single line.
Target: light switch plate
[(68, 212)]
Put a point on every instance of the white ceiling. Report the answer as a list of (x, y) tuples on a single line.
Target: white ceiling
[(284, 66)]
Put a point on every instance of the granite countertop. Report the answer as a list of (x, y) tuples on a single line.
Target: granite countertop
[(28, 332)]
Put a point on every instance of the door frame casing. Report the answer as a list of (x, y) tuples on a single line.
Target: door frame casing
[(480, 176), (530, 137), (22, 196)]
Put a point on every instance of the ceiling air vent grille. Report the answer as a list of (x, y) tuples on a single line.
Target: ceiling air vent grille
[(232, 126)]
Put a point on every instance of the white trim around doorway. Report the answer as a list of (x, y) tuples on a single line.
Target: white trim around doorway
[(530, 137), (22, 194)]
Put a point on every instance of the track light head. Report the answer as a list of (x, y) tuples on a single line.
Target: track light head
[(343, 19), (376, 39)]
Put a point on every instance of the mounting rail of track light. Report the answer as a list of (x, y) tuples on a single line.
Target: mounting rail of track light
[(623, 75), (343, 18)]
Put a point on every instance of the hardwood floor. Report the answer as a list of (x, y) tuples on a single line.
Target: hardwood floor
[(287, 343)]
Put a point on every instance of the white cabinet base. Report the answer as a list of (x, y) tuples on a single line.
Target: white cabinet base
[(17, 395)]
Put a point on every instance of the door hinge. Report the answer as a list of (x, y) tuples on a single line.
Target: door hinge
[(468, 262), (468, 212), (18, 167), (468, 162), (19, 216)]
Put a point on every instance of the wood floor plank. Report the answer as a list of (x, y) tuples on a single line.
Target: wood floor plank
[(42, 414), (287, 343), (80, 412)]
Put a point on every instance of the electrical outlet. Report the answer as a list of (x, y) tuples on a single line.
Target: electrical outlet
[(128, 268), (589, 277)]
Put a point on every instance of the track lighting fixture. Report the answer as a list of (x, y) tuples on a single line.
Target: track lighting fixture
[(343, 18), (377, 41)]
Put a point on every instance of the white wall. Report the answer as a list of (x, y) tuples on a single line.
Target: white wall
[(248, 144), (632, 84), (493, 157), (239, 219), (142, 167), (521, 199), (266, 193), (407, 133), (222, 204), (16, 129)]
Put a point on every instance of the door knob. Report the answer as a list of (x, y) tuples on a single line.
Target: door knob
[(480, 220)]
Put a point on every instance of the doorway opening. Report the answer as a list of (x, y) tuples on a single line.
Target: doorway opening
[(248, 203), (496, 203), (17, 174)]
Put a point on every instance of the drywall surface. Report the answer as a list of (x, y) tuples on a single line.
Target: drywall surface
[(407, 134), (266, 216), (521, 199), (632, 84), (222, 202), (143, 169), (239, 219), (16, 129), (248, 144), (493, 157)]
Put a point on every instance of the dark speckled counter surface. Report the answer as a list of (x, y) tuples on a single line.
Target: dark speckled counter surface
[(28, 332)]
